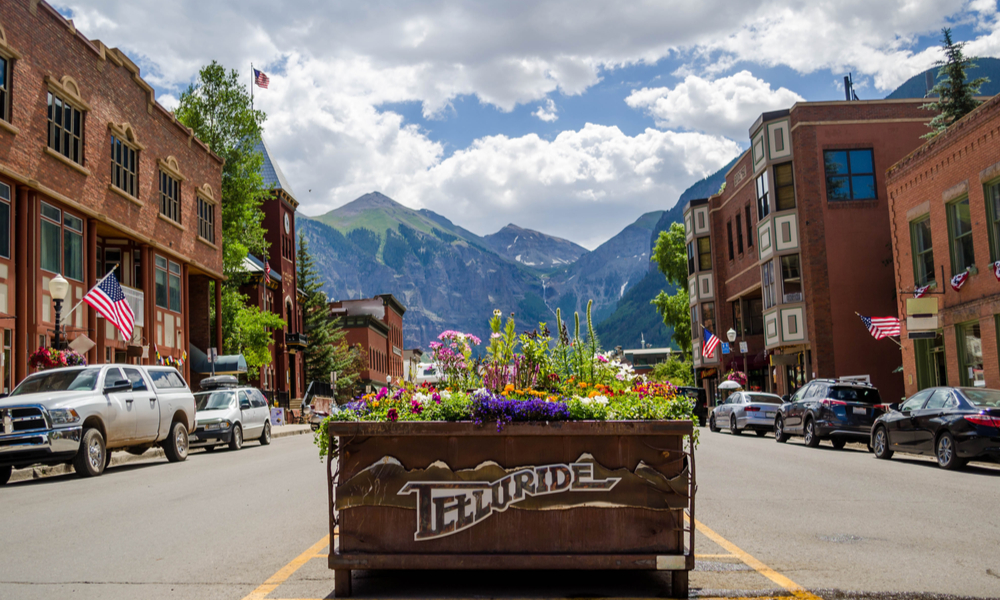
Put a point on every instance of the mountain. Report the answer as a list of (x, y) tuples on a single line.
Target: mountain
[(916, 86), (532, 249), (633, 318)]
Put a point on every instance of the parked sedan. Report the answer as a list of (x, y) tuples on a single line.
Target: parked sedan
[(829, 409), (953, 424), (230, 414), (746, 410)]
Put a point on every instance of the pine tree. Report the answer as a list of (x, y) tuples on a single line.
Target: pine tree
[(956, 95)]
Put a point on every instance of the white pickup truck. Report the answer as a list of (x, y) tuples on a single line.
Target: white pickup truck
[(78, 415)]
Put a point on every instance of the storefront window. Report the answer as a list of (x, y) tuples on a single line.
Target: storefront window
[(61, 243), (168, 284), (161, 282), (174, 283), (932, 370), (73, 247), (970, 354)]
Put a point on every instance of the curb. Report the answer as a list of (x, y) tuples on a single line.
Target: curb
[(121, 458)]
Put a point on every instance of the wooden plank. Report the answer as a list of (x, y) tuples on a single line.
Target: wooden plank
[(640, 562)]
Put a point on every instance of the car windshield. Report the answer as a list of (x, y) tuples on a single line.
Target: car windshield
[(982, 398), (76, 380), (215, 400), (853, 394), (764, 398)]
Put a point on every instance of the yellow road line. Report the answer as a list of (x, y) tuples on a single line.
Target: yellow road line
[(715, 556), (796, 590), (288, 570)]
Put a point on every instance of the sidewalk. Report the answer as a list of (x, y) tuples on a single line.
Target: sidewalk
[(121, 458)]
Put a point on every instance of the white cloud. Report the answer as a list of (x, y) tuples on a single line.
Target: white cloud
[(547, 113), (725, 106)]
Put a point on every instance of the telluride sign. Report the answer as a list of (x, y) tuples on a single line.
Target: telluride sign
[(447, 508)]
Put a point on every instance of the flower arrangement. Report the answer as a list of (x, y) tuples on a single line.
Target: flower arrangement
[(50, 358), (738, 376), (453, 353)]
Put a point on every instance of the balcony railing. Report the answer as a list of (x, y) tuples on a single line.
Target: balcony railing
[(136, 301)]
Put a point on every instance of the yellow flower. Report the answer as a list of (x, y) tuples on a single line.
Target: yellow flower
[(509, 387), (375, 404), (593, 394), (582, 385)]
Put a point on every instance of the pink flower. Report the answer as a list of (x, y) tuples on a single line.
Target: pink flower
[(495, 335), (392, 415)]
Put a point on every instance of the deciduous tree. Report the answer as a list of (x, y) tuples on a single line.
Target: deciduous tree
[(670, 255)]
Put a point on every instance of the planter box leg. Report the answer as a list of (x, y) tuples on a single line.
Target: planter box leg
[(342, 583), (678, 584)]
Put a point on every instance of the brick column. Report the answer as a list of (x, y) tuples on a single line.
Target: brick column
[(21, 283), (186, 299), (218, 315), (92, 355), (149, 300)]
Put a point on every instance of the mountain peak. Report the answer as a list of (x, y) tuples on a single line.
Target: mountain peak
[(533, 249), (372, 200)]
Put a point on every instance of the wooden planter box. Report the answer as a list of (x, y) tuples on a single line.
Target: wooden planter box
[(561, 495)]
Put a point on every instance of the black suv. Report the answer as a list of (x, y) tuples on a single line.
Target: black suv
[(828, 409)]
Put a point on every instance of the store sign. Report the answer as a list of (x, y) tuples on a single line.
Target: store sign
[(445, 508)]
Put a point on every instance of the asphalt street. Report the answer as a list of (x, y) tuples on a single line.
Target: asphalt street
[(774, 520)]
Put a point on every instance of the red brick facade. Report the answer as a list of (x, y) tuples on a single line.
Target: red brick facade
[(46, 55), (814, 261), (959, 166), (376, 324)]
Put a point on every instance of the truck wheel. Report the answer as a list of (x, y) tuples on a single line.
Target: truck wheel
[(176, 444), (5, 474), (236, 441), (92, 456), (265, 437)]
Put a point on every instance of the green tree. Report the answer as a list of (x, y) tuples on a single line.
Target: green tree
[(677, 372), (670, 255), (217, 108), (956, 96)]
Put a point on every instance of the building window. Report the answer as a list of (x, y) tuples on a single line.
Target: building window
[(206, 219), (750, 235), (932, 369), (61, 243), (5, 89), (695, 328), (970, 354), (65, 129), (784, 187), (739, 234), (738, 316), (690, 249), (705, 254), (124, 167), (767, 283), (923, 251), (763, 203), (8, 360), (963, 255), (5, 220), (993, 212), (170, 197), (708, 316), (755, 316), (168, 284), (791, 279), (729, 233), (850, 175)]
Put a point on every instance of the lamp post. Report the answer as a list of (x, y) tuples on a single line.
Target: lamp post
[(58, 288), (731, 334)]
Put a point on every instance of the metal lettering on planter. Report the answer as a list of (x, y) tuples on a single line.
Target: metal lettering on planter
[(447, 502)]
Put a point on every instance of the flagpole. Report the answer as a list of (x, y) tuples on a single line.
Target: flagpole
[(79, 302)]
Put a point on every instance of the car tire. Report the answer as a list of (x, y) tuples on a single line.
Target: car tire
[(265, 436), (92, 456), (947, 453), (812, 440), (760, 432), (838, 444), (733, 429), (880, 444), (5, 474), (236, 440), (177, 444), (779, 431), (712, 425)]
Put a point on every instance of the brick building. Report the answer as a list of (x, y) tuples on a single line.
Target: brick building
[(284, 378), (376, 324), (944, 203), (797, 242), (95, 175)]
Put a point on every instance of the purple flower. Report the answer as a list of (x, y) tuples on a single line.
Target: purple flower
[(393, 415), (488, 407), (436, 397)]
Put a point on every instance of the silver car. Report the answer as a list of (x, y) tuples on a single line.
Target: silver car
[(230, 415), (746, 410)]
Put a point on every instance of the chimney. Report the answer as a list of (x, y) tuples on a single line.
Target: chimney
[(847, 88)]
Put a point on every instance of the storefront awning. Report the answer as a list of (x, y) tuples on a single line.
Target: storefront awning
[(231, 364)]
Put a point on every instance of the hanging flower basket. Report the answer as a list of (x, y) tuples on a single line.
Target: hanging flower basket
[(50, 358), (738, 376)]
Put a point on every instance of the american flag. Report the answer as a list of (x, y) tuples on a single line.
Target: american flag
[(921, 291), (267, 272), (109, 300), (881, 327), (260, 79), (996, 270), (959, 280), (712, 342)]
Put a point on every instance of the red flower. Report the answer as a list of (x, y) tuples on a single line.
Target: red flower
[(393, 415)]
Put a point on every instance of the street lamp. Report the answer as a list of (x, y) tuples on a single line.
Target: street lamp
[(731, 334), (58, 288)]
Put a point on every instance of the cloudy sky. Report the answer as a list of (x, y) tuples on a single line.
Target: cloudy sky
[(572, 117)]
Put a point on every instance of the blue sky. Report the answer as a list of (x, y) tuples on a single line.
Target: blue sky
[(572, 117)]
